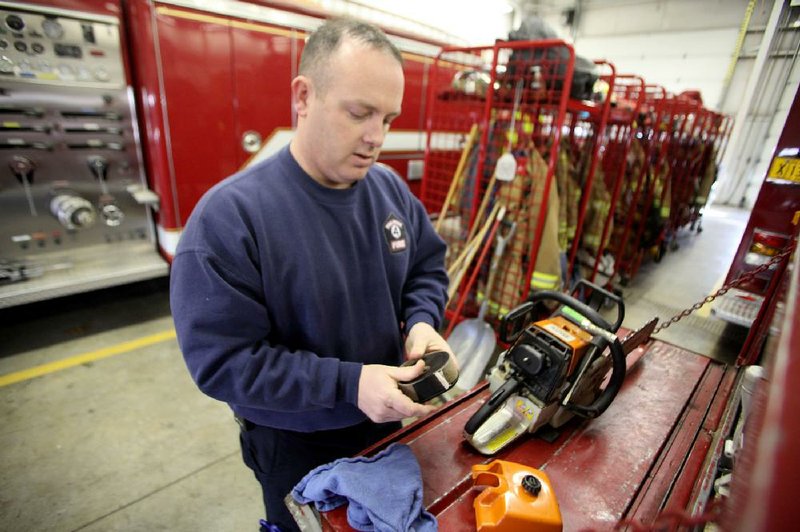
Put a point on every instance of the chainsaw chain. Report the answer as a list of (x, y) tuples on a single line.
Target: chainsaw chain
[(747, 276)]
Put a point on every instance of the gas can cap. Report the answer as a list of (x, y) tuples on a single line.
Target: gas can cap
[(532, 485)]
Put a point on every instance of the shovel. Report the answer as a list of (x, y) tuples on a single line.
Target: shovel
[(473, 340), (506, 166)]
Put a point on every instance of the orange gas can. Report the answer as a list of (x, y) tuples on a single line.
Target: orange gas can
[(517, 498)]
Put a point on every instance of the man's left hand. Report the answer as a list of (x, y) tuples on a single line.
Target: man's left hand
[(422, 338)]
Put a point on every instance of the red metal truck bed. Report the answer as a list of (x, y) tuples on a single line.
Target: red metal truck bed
[(641, 458)]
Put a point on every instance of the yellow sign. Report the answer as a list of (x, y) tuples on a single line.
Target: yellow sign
[(785, 168)]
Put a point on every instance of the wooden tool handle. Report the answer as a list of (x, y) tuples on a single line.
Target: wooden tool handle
[(471, 254), (458, 176)]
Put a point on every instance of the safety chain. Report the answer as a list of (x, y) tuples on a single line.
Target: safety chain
[(748, 276)]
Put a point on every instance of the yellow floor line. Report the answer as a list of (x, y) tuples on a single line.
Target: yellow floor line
[(91, 356), (705, 310)]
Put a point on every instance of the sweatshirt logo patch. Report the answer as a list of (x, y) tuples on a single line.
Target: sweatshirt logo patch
[(395, 232)]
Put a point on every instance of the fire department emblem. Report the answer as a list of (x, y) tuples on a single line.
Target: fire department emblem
[(395, 233)]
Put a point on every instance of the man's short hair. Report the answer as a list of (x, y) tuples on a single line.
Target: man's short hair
[(324, 42)]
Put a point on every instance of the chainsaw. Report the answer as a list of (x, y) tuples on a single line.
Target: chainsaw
[(554, 368)]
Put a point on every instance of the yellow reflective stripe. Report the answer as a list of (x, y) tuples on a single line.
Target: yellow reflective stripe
[(591, 239), (527, 124), (544, 281)]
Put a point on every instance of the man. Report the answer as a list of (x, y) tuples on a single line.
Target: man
[(296, 280)]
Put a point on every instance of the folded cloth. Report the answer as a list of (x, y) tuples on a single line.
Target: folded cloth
[(384, 492)]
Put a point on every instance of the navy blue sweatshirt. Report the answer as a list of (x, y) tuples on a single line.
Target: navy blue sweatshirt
[(281, 289)]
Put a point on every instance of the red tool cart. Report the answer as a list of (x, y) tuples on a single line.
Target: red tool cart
[(638, 223), (762, 494), (713, 137), (492, 146), (586, 123), (627, 97), (678, 123), (686, 157)]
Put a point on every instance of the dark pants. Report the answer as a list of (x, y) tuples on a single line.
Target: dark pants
[(280, 458)]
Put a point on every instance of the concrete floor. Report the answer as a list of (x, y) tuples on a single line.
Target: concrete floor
[(686, 276), (126, 442), (122, 443)]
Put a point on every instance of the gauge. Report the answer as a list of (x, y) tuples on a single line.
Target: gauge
[(6, 65), (15, 22), (52, 28)]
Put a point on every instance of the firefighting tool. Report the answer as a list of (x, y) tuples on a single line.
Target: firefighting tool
[(440, 374), (553, 370), (459, 175), (555, 367), (506, 167), (516, 498), (473, 340)]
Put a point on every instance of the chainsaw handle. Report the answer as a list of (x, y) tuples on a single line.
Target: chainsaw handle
[(617, 354), (491, 405), (515, 321), (614, 383), (585, 310), (606, 294)]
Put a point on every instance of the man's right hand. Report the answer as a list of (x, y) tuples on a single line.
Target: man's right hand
[(380, 398)]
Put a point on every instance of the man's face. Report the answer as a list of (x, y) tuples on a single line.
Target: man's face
[(342, 127)]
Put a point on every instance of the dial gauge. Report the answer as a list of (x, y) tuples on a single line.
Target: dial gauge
[(52, 28)]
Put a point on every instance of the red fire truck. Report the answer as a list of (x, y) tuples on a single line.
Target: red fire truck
[(768, 238), (117, 117)]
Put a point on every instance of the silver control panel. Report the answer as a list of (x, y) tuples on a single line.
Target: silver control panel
[(48, 48), (75, 211)]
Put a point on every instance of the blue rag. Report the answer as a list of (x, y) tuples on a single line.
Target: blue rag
[(384, 492)]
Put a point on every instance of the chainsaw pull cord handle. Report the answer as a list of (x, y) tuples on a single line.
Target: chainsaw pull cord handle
[(491, 405), (598, 326)]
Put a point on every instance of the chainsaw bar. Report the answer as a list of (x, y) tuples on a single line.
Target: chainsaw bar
[(638, 337)]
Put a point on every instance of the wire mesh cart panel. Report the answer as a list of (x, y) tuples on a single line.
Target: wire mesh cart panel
[(495, 116)]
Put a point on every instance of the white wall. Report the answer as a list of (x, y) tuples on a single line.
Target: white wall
[(679, 44), (678, 60), (473, 22), (689, 44)]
